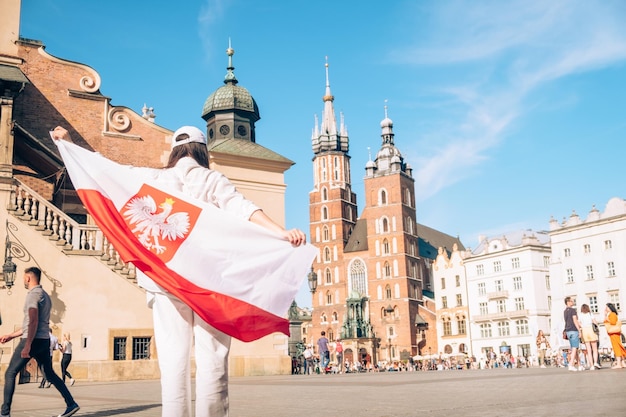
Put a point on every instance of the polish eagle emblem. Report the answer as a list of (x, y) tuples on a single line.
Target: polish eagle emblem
[(154, 225)]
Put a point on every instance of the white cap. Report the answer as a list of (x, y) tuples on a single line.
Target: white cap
[(195, 135)]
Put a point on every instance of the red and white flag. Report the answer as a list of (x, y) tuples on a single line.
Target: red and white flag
[(239, 277)]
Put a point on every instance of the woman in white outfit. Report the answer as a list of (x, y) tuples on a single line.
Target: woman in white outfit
[(176, 326)]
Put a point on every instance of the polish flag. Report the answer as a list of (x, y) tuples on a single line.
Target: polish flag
[(239, 277)]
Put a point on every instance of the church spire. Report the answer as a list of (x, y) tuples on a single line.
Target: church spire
[(328, 138)]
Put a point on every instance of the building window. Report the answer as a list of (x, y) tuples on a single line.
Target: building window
[(324, 213), (587, 248), (484, 310), (547, 282), (385, 225), (325, 234), (383, 197), (589, 269), (331, 334), (459, 300), (517, 283), (327, 257), (335, 318), (447, 327), (444, 302), (329, 298), (141, 348), (480, 270), (614, 298), (546, 261), (119, 348), (566, 253), (461, 325), (387, 270), (458, 280), (481, 288), (570, 275), (501, 306), (388, 292), (503, 328), (324, 194), (499, 285), (329, 276), (519, 303), (515, 263), (485, 330), (323, 318), (608, 244), (385, 247), (443, 283), (358, 277), (522, 327), (497, 266), (593, 303), (610, 269)]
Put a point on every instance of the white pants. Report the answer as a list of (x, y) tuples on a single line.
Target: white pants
[(176, 327)]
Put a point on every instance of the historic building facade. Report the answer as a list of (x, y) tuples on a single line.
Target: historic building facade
[(369, 270), (509, 293), (588, 264)]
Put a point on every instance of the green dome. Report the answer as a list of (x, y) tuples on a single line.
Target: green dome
[(231, 97)]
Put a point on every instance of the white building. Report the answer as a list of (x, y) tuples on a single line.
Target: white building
[(508, 288), (453, 331), (588, 263)]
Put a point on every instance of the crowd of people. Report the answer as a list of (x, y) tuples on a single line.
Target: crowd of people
[(581, 330)]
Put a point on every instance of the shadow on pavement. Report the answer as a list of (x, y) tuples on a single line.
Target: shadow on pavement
[(120, 411)]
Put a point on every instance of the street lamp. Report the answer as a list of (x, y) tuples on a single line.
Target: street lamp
[(8, 268), (312, 280)]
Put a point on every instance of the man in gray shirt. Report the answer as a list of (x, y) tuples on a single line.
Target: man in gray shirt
[(34, 343)]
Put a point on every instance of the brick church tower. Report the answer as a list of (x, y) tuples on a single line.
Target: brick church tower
[(368, 270)]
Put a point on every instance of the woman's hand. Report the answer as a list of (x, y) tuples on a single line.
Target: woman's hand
[(59, 133), (295, 236)]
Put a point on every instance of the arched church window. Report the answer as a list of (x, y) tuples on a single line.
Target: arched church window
[(329, 298), (327, 257), (324, 194), (358, 277), (387, 270), (325, 234), (388, 292), (383, 198), (324, 213), (385, 247), (329, 277), (385, 225)]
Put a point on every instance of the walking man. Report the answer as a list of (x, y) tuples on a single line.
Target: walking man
[(34, 343), (322, 349)]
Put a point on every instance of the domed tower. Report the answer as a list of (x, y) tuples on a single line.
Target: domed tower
[(230, 111), (393, 245)]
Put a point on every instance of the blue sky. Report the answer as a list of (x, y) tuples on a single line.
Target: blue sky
[(509, 112)]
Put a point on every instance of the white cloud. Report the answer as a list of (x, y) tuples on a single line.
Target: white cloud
[(499, 53)]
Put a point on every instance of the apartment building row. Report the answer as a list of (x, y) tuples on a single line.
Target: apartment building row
[(497, 296)]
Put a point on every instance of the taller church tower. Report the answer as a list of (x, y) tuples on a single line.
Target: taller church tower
[(369, 274)]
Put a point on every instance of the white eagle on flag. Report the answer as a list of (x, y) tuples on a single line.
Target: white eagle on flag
[(151, 226)]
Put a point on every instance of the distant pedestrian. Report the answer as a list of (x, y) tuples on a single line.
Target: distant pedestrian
[(66, 348), (322, 350), (339, 353), (572, 331), (613, 327), (308, 359), (590, 338), (542, 346)]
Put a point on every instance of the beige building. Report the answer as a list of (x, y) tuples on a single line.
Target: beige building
[(94, 293)]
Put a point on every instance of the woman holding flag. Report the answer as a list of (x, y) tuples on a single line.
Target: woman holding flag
[(198, 293)]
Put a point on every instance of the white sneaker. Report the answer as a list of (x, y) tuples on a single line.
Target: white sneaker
[(572, 368), (597, 365), (542, 366), (581, 368)]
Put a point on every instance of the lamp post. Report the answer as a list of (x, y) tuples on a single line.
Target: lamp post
[(312, 281)]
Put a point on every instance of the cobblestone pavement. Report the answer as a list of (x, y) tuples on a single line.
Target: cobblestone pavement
[(532, 392)]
